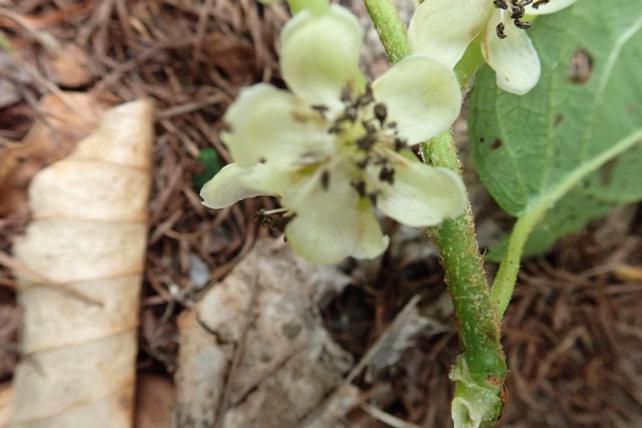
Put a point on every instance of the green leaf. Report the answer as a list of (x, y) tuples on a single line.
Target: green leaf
[(588, 99), (211, 163)]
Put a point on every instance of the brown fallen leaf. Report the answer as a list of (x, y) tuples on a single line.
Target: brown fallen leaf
[(62, 124), (70, 67), (155, 400), (254, 352), (88, 233), (6, 399)]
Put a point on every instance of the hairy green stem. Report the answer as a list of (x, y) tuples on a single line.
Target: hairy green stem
[(506, 278), (390, 28), (481, 370), (477, 317)]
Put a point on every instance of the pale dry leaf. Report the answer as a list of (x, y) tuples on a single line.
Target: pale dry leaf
[(88, 233), (333, 413), (254, 351)]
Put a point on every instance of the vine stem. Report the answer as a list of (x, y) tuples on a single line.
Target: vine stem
[(506, 278), (478, 322)]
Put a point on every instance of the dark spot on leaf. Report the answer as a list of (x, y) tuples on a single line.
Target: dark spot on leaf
[(559, 117), (580, 67), (494, 380), (497, 143)]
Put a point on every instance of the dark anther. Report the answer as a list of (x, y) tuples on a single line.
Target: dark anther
[(539, 3), (387, 174), (320, 108), (362, 164), (351, 113), (262, 160), (399, 144), (500, 4), (373, 197), (325, 179), (346, 94), (360, 187), (335, 129), (500, 30), (275, 223), (517, 13), (392, 125), (366, 142), (521, 24), (369, 127), (380, 112), (367, 96)]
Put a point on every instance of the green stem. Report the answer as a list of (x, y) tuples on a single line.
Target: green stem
[(478, 321), (391, 29), (315, 6), (482, 369), (506, 278)]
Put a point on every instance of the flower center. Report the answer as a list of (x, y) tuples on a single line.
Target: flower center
[(364, 135), (517, 10)]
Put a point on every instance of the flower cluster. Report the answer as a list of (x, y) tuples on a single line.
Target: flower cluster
[(443, 30), (337, 146)]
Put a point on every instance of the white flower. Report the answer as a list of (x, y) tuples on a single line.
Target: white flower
[(336, 145), (443, 29)]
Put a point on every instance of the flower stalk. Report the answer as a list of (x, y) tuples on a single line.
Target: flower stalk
[(481, 369), (314, 6)]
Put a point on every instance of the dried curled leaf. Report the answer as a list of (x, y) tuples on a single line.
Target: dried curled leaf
[(88, 233), (65, 120)]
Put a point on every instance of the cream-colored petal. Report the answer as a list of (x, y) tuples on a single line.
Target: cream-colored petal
[(270, 125), (551, 7), (227, 187), (333, 223), (270, 179), (421, 95), (514, 58), (443, 29), (420, 195), (320, 55)]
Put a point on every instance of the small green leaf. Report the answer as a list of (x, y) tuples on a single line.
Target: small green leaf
[(211, 162), (588, 100)]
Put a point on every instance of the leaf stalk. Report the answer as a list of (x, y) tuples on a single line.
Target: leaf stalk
[(504, 283)]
